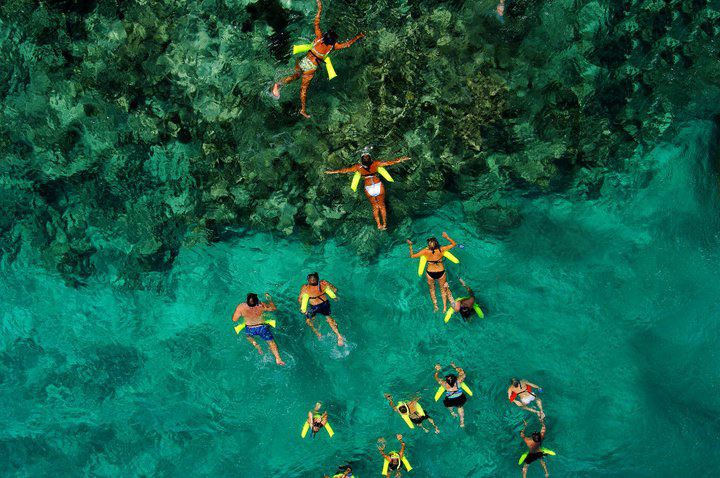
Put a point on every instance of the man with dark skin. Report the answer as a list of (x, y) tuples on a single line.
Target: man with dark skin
[(374, 188), (318, 303), (534, 444), (306, 67), (252, 310)]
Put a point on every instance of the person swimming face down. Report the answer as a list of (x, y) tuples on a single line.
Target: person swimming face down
[(451, 379), (514, 382), (433, 244), (465, 312), (403, 409), (537, 437), (252, 300), (394, 462)]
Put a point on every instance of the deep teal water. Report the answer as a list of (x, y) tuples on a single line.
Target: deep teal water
[(610, 304)]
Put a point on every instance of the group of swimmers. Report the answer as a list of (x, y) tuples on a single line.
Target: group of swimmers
[(314, 296)]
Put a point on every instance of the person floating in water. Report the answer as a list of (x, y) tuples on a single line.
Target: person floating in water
[(412, 413), (343, 471), (305, 68), (314, 300), (315, 421), (453, 387), (433, 255), (522, 393), (368, 169), (255, 324), (535, 449), (394, 460), (465, 306)]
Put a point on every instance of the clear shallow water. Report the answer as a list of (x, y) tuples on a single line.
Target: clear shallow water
[(610, 304)]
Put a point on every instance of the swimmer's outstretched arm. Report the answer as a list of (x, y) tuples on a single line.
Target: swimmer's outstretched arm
[(451, 245), (394, 161), (437, 376), (327, 284), (390, 400), (318, 32), (351, 169), (269, 305), (402, 446), (532, 385), (417, 254), (340, 46), (460, 372), (467, 288)]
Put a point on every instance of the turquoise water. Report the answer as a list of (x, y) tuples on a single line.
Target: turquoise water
[(609, 303)]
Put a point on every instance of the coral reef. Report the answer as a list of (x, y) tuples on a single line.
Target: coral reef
[(131, 129)]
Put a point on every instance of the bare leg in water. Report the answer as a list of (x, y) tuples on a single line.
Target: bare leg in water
[(333, 325), (431, 284)]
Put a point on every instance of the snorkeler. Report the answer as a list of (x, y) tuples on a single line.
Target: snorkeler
[(466, 306), (454, 388), (433, 255), (315, 421), (522, 393), (535, 449), (412, 413), (343, 471), (322, 46), (255, 324), (314, 300), (368, 169), (394, 460)]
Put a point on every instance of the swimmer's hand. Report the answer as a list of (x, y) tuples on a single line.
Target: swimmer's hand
[(438, 367), (399, 437), (445, 235), (410, 243)]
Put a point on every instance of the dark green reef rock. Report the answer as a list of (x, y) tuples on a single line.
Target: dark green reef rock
[(129, 129)]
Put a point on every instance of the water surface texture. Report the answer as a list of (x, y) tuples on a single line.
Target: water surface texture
[(148, 182)]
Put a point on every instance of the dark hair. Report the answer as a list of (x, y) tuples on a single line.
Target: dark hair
[(465, 311), (315, 275), (252, 300), (433, 239), (330, 37), (451, 379), (537, 438), (366, 159), (403, 409), (514, 382)]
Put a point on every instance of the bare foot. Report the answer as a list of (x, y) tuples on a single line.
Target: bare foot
[(279, 361), (435, 308), (276, 90), (302, 112), (462, 424), (341, 341), (437, 431), (426, 430), (452, 412)]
